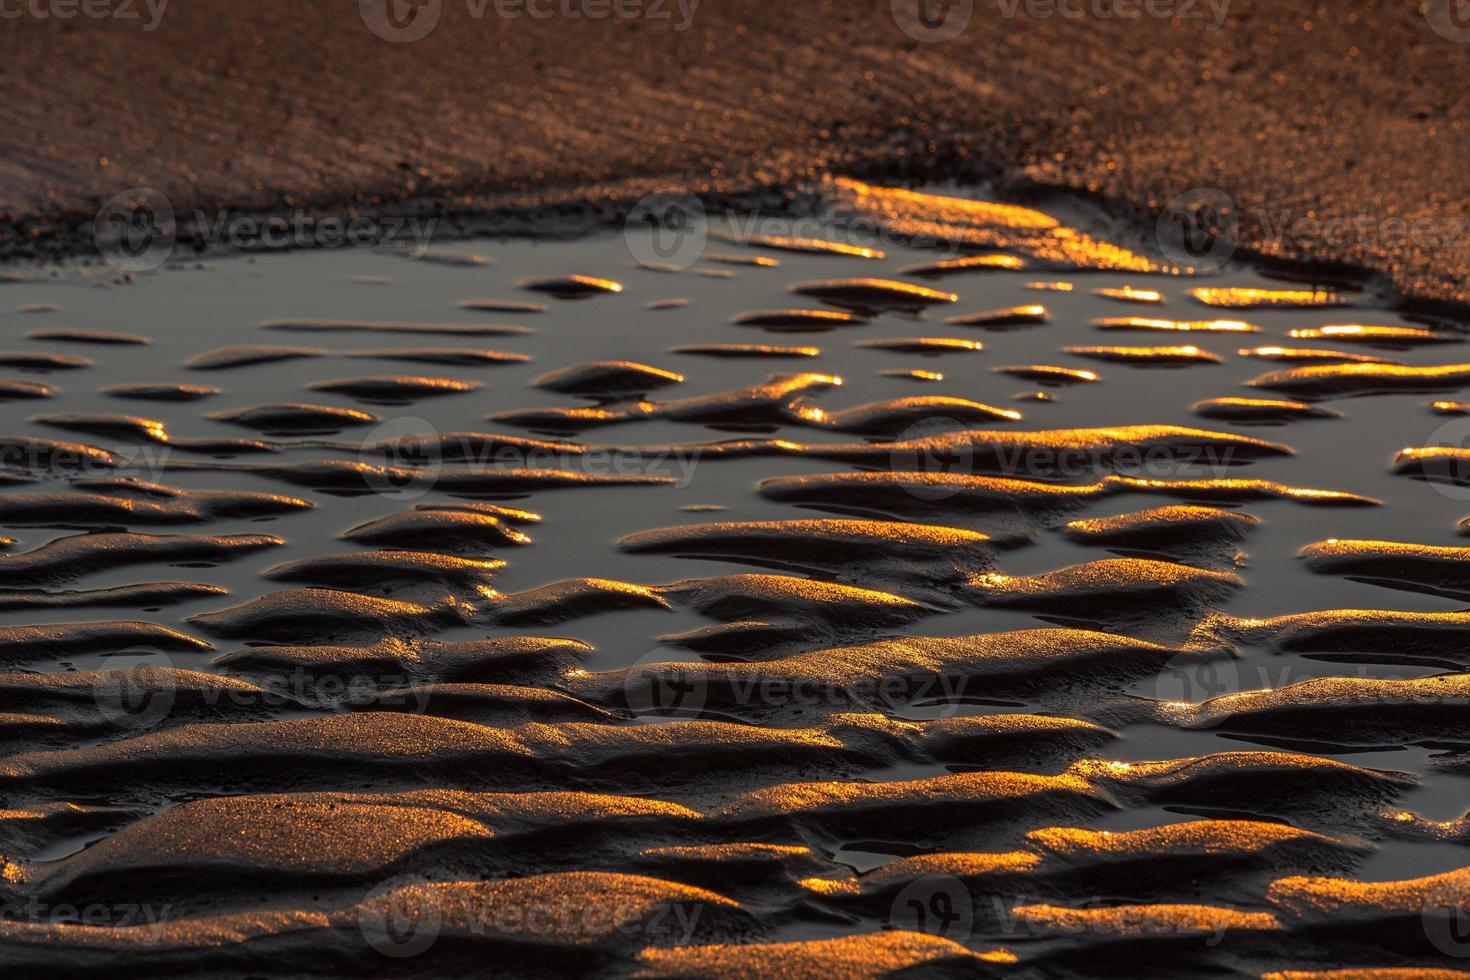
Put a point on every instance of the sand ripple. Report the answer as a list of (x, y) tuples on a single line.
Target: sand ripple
[(939, 691)]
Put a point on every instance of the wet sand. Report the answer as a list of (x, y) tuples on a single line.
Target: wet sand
[(373, 629), (1298, 112)]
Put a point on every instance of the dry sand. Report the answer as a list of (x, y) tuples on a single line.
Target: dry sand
[(1297, 110)]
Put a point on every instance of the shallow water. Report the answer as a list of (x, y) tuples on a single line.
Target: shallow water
[(189, 311)]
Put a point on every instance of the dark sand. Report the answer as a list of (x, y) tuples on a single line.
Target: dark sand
[(1296, 110)]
